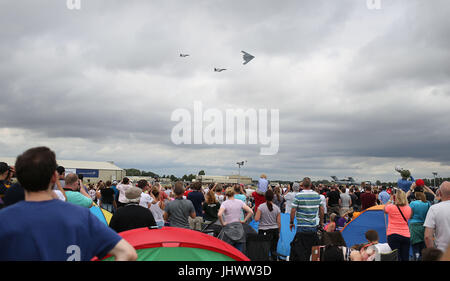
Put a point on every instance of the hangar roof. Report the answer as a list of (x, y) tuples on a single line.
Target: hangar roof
[(74, 164)]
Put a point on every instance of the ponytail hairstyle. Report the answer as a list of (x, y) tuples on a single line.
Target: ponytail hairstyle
[(269, 198), (229, 192)]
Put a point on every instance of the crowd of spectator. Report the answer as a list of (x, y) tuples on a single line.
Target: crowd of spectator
[(37, 223)]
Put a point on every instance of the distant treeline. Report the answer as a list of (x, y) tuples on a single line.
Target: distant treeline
[(138, 173), (190, 177)]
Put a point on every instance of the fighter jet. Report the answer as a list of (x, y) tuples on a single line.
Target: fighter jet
[(347, 181), (184, 55), (247, 57), (219, 69)]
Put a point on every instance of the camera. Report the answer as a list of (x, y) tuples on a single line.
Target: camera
[(10, 172)]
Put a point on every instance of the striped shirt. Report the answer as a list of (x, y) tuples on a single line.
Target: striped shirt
[(307, 204)]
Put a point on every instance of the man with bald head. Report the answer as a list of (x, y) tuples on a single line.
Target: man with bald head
[(437, 222), (73, 193)]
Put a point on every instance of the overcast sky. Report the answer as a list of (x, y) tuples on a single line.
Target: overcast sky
[(358, 90)]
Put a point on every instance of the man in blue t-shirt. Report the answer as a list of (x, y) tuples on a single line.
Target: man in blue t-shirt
[(42, 228), (406, 181), (263, 184), (383, 196)]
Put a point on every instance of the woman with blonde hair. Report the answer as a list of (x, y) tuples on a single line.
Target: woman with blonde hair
[(398, 234), (230, 217), (331, 226)]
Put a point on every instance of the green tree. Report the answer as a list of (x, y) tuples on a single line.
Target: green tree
[(149, 174), (132, 172), (201, 173)]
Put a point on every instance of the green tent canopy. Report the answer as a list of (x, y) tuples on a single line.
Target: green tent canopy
[(179, 244)]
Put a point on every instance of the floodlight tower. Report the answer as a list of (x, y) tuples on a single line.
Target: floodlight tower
[(240, 164), (435, 174)]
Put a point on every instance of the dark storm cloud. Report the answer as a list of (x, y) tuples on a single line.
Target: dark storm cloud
[(350, 83)]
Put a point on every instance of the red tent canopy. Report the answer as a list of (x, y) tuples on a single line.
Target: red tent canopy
[(169, 237)]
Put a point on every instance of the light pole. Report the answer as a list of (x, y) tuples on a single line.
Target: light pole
[(240, 164), (435, 174)]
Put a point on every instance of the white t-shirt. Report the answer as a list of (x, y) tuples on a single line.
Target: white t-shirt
[(60, 195), (289, 197), (157, 212), (122, 189), (145, 200), (220, 198), (381, 248), (323, 203), (438, 218)]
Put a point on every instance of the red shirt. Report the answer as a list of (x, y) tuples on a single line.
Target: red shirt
[(368, 200), (259, 199), (187, 192)]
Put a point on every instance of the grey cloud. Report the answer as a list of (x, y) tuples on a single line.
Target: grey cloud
[(110, 73), (414, 50)]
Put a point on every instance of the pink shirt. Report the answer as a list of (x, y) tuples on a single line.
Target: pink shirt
[(233, 209), (396, 223)]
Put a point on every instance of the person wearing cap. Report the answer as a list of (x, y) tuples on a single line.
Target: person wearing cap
[(42, 228), (16, 193), (132, 215), (419, 207), (421, 187), (406, 181), (4, 172), (116, 191)]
